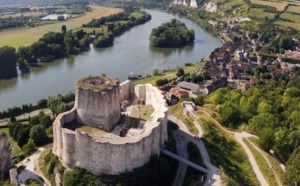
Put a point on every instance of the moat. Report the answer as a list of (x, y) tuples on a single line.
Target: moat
[(130, 53)]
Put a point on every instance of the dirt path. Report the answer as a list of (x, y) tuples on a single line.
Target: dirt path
[(31, 168), (239, 137), (214, 175)]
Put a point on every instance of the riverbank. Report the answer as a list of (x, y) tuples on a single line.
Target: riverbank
[(128, 54)]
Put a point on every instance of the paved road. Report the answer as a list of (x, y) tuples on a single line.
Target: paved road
[(214, 175), (239, 137), (31, 170), (181, 146)]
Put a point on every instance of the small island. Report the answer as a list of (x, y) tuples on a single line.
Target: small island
[(172, 34)]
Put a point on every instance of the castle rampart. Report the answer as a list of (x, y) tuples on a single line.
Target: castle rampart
[(112, 154)]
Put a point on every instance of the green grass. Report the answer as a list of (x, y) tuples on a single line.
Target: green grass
[(166, 75), (92, 130), (288, 24), (136, 14), (25, 37), (94, 10), (227, 154), (279, 5), (177, 111), (291, 17), (15, 148), (144, 111), (274, 163), (260, 14), (43, 166), (262, 164), (293, 9)]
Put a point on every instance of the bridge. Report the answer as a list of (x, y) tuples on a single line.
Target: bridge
[(189, 163)]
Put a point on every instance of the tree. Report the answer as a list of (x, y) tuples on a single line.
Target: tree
[(263, 120), (294, 120), (29, 147), (8, 61), (229, 114), (161, 82), (171, 34), (292, 174), (199, 101), (266, 138), (180, 72), (38, 134)]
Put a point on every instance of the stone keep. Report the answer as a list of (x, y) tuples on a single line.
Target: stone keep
[(97, 101), (5, 160), (108, 153)]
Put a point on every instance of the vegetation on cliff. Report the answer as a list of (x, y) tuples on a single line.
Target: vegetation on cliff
[(171, 34)]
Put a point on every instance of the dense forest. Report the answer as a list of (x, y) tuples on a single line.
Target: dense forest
[(171, 34), (272, 112)]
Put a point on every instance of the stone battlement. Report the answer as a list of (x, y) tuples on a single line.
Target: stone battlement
[(109, 153)]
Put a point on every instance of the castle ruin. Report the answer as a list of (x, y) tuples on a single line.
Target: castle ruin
[(101, 135), (5, 152)]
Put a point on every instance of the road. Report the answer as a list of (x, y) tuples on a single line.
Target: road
[(239, 137), (31, 170), (214, 175)]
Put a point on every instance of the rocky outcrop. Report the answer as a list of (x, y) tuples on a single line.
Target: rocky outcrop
[(5, 160), (211, 7)]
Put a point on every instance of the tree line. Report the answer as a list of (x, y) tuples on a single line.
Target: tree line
[(57, 104), (116, 25), (171, 34), (55, 45)]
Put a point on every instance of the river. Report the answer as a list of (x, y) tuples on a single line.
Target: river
[(130, 53)]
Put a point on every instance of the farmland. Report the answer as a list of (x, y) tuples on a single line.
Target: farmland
[(260, 13), (294, 9), (279, 5), (291, 17), (288, 24), (25, 37)]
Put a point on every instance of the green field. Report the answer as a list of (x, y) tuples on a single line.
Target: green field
[(259, 13), (295, 9), (166, 75), (288, 24), (291, 17), (25, 37), (279, 5)]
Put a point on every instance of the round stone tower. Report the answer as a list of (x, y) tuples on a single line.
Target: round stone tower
[(97, 101)]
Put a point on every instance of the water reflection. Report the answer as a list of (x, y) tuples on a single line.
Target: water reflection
[(9, 74), (168, 51)]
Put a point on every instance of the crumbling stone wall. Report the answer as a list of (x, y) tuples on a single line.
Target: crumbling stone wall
[(117, 154), (5, 160)]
